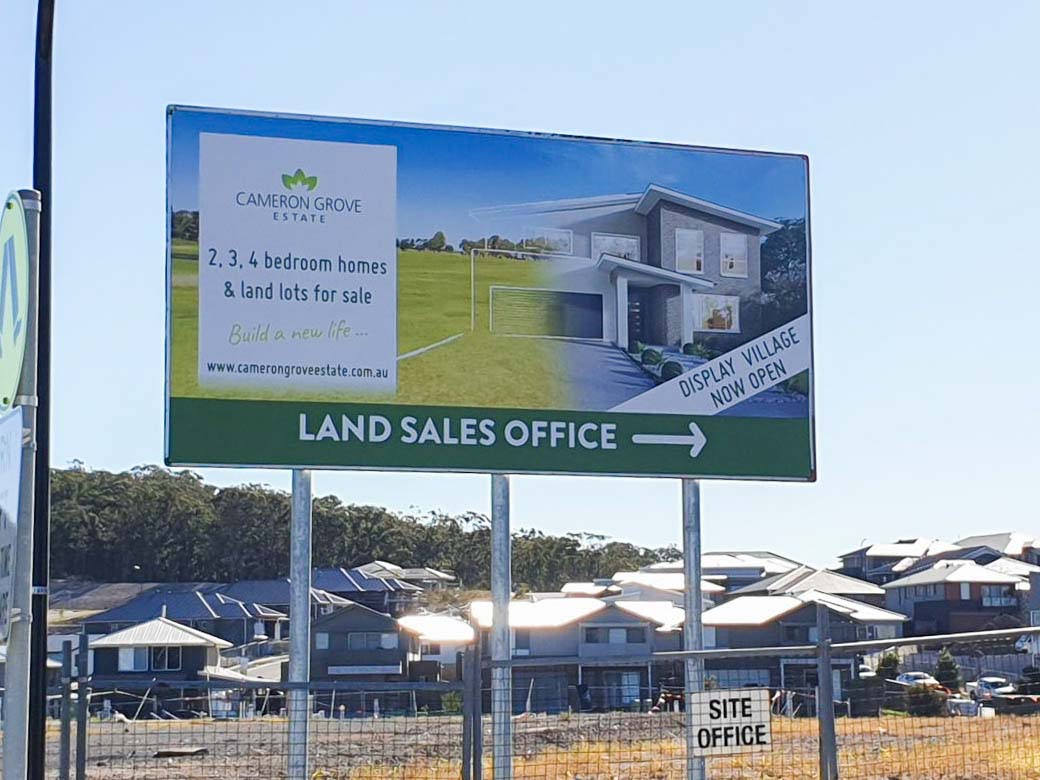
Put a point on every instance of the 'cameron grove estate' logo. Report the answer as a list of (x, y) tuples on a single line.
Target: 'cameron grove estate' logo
[(298, 205)]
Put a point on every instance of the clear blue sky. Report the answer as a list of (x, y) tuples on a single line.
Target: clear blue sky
[(920, 121)]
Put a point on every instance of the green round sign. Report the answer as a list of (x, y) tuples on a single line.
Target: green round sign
[(14, 296)]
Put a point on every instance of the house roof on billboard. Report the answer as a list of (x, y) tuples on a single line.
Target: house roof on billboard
[(762, 610), (438, 628), (184, 605), (1007, 542), (654, 194), (607, 262), (954, 571), (640, 202), (551, 613), (807, 578), (161, 632), (276, 591), (663, 580), (337, 579)]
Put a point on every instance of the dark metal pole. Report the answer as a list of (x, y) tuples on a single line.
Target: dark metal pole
[(82, 706), (41, 522), (65, 746)]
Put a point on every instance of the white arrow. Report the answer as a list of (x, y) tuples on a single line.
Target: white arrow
[(695, 440)]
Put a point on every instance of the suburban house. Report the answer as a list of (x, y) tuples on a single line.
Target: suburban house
[(733, 569), (775, 621), (357, 643), (422, 577), (156, 654), (1013, 544), (274, 594), (884, 562), (603, 650), (216, 614), (383, 594), (657, 266), (442, 639), (957, 595), (806, 578)]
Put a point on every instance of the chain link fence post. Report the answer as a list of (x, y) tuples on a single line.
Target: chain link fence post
[(825, 696), (82, 705), (65, 745)]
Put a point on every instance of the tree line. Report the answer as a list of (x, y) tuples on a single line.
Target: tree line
[(151, 524)]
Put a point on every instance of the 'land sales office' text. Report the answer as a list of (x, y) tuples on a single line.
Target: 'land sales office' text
[(466, 432)]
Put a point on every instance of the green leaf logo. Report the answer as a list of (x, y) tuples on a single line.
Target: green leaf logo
[(299, 179)]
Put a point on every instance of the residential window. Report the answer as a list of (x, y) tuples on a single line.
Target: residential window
[(689, 251), (133, 659), (430, 648), (997, 596), (719, 313), (522, 639), (321, 640), (603, 635), (615, 245), (166, 659), (371, 640), (965, 591), (636, 636), (596, 636), (733, 252)]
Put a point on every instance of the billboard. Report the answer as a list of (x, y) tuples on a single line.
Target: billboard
[(362, 294)]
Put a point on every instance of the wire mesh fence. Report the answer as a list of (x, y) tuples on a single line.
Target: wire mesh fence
[(961, 706)]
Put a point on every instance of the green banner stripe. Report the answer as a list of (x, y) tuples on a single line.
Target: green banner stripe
[(267, 433)]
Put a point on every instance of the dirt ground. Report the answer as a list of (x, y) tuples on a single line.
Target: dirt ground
[(610, 746)]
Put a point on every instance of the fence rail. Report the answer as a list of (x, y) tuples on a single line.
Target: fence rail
[(576, 717)]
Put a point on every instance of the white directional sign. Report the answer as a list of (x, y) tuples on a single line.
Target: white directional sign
[(10, 477), (727, 722)]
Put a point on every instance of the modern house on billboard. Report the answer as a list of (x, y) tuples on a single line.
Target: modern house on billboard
[(658, 266)]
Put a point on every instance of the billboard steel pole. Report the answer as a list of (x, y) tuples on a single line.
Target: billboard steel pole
[(693, 633), (299, 622), (501, 592)]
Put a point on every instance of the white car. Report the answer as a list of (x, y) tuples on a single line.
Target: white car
[(985, 688), (911, 679)]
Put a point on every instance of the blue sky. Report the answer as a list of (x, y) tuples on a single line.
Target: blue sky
[(919, 121), (444, 174)]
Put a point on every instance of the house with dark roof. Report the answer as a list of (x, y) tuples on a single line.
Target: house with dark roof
[(958, 595), (1014, 544), (384, 594), (424, 577), (882, 562), (358, 644), (214, 613), (274, 593)]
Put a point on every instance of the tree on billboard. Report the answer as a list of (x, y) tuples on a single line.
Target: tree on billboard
[(783, 257)]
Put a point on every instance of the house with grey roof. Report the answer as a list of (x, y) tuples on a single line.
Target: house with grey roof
[(387, 594), (958, 595), (885, 561), (806, 578), (657, 266), (790, 619), (1014, 544), (424, 577)]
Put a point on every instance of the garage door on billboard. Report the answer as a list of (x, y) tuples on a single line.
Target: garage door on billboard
[(554, 313)]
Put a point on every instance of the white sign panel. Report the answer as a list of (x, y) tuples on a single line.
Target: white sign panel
[(297, 265), (727, 722), (10, 479)]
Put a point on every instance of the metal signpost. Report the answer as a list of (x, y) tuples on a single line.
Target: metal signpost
[(19, 232), (355, 294)]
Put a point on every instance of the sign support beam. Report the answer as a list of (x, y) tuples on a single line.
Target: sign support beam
[(693, 632), (299, 623), (501, 592), (18, 668)]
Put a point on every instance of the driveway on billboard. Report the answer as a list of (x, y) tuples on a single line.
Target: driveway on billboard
[(600, 376)]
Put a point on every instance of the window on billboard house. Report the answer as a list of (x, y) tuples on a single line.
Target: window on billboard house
[(733, 253), (689, 251), (719, 313), (615, 245)]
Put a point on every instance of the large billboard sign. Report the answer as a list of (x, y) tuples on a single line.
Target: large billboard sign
[(361, 294)]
